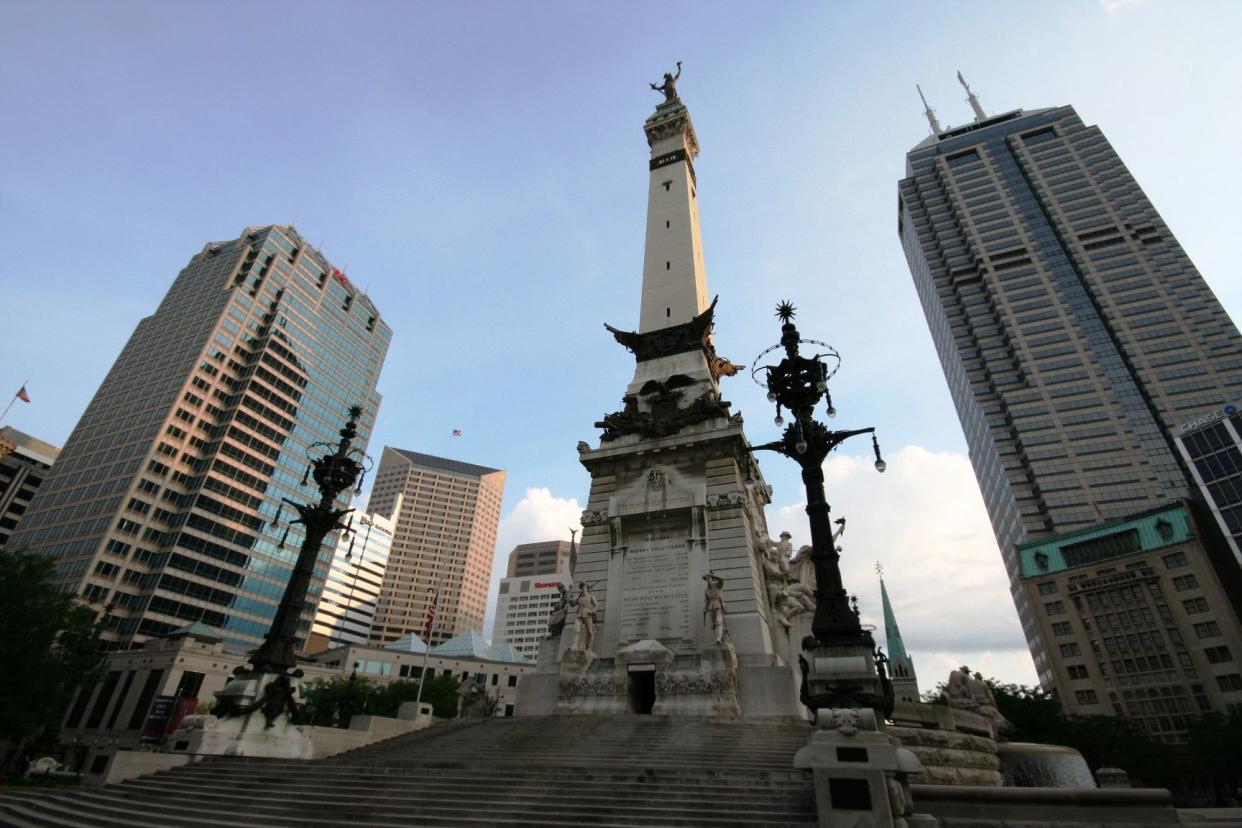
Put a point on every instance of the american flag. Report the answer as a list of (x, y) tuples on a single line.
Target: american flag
[(24, 397), (457, 432), (431, 617)]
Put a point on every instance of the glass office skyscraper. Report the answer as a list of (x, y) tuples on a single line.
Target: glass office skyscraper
[(165, 505), (1075, 334)]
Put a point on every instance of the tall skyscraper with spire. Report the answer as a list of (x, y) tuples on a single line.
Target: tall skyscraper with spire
[(1076, 337), (165, 505), (674, 537)]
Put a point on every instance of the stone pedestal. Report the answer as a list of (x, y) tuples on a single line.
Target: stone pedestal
[(861, 775), (247, 734)]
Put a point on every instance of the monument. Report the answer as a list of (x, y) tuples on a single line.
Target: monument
[(673, 611)]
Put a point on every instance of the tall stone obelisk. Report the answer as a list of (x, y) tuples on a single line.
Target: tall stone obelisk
[(674, 537)]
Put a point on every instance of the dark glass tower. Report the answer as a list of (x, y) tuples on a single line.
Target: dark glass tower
[(164, 501), (1074, 332)]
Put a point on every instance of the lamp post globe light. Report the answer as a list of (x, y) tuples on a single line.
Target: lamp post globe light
[(841, 667)]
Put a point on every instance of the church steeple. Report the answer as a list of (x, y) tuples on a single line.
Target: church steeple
[(674, 278), (901, 666)]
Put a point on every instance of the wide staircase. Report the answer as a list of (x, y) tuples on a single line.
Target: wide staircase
[(546, 770)]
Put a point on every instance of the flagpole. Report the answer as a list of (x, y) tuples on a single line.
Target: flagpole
[(16, 394), (422, 679)]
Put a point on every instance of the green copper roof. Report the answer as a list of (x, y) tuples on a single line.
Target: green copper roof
[(896, 647), (472, 645), (1143, 532)]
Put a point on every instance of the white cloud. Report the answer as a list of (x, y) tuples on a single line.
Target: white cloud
[(1111, 6), (539, 516), (924, 520)]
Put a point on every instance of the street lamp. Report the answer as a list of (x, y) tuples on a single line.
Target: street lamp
[(333, 473), (840, 666)]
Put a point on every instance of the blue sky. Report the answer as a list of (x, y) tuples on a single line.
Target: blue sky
[(481, 169)]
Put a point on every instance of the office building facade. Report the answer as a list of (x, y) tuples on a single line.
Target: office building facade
[(351, 591), (166, 502), (445, 541), (1212, 448), (1138, 622), (24, 463), (528, 593), (539, 558), (1073, 330)]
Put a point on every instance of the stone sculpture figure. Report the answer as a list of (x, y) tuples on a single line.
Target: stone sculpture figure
[(669, 87), (783, 551), (958, 689), (713, 605), (588, 607), (275, 699), (787, 596), (471, 699), (985, 700), (560, 612)]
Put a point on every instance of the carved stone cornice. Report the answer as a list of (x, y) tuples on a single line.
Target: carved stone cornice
[(657, 424), (676, 339), (671, 119), (592, 517), (726, 500)]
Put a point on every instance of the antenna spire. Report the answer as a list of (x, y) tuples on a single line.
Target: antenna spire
[(971, 98), (929, 112)]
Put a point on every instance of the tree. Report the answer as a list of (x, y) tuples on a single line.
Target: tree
[(1034, 714), (1214, 739), (324, 700), (49, 646)]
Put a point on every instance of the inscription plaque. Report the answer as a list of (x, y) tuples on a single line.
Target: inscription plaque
[(655, 602)]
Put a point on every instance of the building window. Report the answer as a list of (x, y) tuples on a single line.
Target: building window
[(1048, 588), (1070, 650), (1062, 628), (1182, 583), (1230, 683), (1077, 671), (1217, 655), (1175, 560), (1055, 608), (1208, 629), (1086, 697), (1195, 606)]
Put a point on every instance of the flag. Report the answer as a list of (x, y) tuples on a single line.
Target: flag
[(456, 431), (24, 397), (431, 618)]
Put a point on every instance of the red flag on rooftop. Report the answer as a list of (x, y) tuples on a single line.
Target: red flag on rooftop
[(24, 397)]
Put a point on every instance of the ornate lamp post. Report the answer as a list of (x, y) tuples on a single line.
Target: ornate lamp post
[(267, 685), (333, 474), (840, 667)]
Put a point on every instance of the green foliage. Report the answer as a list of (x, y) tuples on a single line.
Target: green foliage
[(1034, 714), (1214, 744), (324, 700), (49, 646)]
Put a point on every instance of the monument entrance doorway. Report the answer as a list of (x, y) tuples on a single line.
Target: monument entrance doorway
[(642, 688)]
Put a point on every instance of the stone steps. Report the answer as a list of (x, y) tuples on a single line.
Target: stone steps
[(603, 772), (583, 808), (775, 796), (100, 809)]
